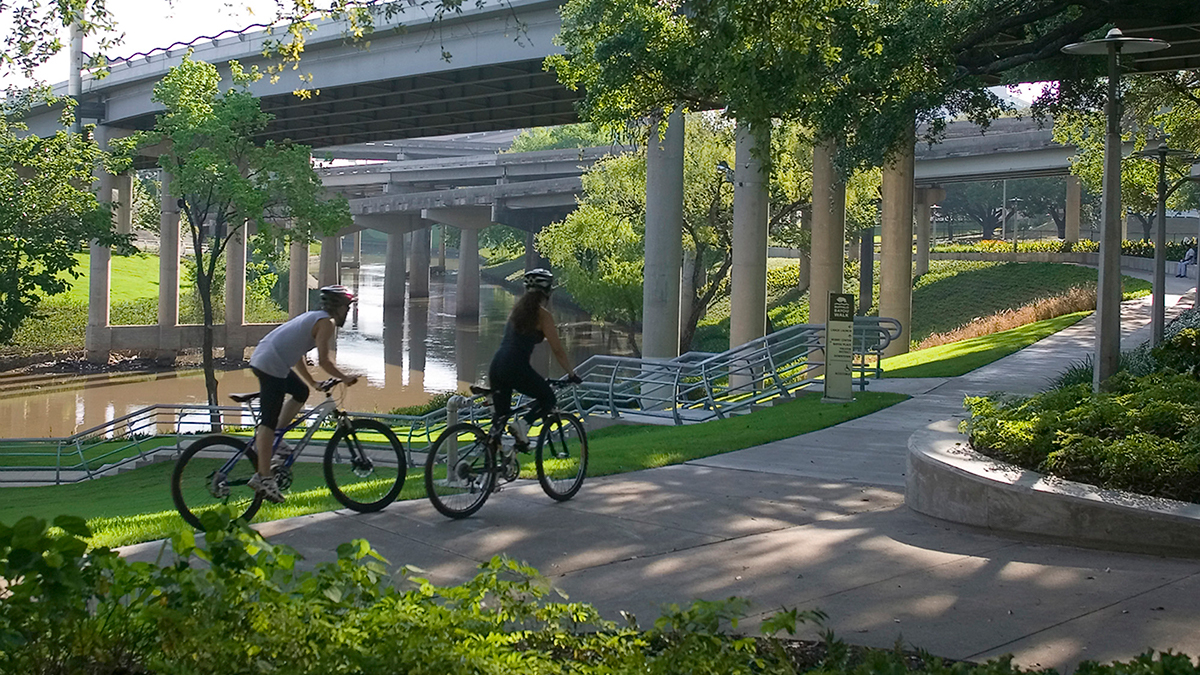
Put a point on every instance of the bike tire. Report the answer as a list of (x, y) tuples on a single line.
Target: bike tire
[(460, 476), (192, 481), (365, 465), (562, 455)]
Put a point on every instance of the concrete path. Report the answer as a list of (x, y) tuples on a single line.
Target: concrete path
[(816, 521)]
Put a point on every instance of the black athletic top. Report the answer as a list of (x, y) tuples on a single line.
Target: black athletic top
[(518, 346)]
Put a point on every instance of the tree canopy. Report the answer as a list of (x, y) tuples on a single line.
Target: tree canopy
[(48, 211), (226, 179)]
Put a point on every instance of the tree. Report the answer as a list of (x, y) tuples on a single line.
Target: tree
[(599, 250), (47, 212), (225, 179), (979, 201)]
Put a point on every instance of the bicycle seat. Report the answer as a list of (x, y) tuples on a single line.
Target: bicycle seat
[(480, 391), (244, 398)]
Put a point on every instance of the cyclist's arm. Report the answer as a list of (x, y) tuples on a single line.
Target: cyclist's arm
[(550, 330), (323, 333), (301, 369)]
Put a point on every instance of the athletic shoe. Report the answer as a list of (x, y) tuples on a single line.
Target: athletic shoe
[(520, 435), (267, 487)]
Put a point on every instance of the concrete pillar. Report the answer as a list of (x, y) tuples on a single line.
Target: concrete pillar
[(331, 261), (418, 274), (896, 262), (748, 279), (468, 274), (168, 271), (235, 295), (441, 235), (531, 254), (98, 339), (123, 206), (925, 198), (297, 277), (828, 231), (393, 271), (664, 240), (1074, 206)]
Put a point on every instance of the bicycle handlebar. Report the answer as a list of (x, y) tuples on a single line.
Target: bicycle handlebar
[(326, 385)]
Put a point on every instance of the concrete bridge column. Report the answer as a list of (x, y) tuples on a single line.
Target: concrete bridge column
[(896, 257), (330, 272), (925, 198), (297, 277), (468, 274), (828, 231), (418, 275), (123, 211), (235, 295), (1074, 206), (168, 272), (393, 271), (532, 259), (441, 230), (664, 240), (687, 288), (748, 280), (98, 339)]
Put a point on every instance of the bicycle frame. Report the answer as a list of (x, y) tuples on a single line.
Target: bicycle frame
[(318, 414)]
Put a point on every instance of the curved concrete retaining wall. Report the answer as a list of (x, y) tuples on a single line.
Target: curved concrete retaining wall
[(948, 480)]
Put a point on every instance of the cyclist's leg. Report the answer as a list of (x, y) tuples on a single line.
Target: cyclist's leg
[(536, 387), (271, 393), (297, 394)]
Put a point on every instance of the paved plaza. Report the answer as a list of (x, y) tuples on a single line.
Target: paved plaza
[(815, 521)]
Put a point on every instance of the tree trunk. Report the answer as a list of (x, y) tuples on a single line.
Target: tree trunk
[(633, 345), (1146, 223), (204, 283), (1060, 222)]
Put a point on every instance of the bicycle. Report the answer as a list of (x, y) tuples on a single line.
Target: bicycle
[(465, 464), (364, 463)]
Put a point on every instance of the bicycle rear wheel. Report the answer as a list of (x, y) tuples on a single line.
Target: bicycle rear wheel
[(562, 455), (202, 482), (365, 465), (460, 471)]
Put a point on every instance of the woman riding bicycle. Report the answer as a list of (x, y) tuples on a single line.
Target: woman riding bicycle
[(528, 324), (278, 361)]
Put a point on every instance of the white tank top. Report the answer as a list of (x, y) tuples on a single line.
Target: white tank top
[(283, 347)]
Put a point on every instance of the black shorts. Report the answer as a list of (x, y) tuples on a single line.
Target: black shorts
[(271, 391)]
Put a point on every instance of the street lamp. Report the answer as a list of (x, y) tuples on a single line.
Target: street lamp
[(1108, 287), (1158, 310), (1016, 232)]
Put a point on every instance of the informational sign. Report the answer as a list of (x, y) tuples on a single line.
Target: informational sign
[(839, 348)]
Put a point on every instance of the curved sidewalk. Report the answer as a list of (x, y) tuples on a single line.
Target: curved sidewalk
[(815, 521)]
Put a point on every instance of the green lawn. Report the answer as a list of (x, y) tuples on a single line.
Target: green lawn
[(133, 277), (959, 358), (136, 506)]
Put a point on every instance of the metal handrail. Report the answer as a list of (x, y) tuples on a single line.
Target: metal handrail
[(614, 386)]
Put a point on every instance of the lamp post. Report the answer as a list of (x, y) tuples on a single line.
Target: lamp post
[(1016, 228), (1108, 287), (1158, 309)]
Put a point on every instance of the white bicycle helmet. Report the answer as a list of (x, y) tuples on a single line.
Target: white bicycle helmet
[(540, 279)]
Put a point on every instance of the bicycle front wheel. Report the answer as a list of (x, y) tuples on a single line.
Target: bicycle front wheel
[(365, 465), (460, 471), (214, 471), (562, 455)]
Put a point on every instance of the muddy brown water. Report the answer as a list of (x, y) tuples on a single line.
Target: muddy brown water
[(404, 356)]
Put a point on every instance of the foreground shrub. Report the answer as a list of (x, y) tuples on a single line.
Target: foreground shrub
[(1140, 434)]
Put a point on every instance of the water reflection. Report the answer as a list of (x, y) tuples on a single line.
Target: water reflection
[(404, 354)]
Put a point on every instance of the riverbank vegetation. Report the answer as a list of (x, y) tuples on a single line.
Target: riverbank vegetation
[(956, 300), (136, 506), (1139, 433)]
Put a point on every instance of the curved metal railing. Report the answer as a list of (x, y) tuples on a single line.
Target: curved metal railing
[(693, 387)]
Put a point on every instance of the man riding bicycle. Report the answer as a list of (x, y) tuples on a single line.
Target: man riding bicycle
[(278, 362)]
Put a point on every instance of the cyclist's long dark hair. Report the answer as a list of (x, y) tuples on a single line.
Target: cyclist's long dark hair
[(524, 316)]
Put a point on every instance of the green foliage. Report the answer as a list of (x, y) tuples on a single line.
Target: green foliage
[(561, 137), (47, 213), (1138, 434), (435, 402), (226, 178)]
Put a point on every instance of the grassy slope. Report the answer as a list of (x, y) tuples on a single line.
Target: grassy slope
[(951, 295), (136, 506)]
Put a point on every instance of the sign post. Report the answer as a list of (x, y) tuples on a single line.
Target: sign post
[(839, 349)]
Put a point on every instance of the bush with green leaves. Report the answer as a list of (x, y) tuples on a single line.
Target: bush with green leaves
[(239, 604), (1140, 434)]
